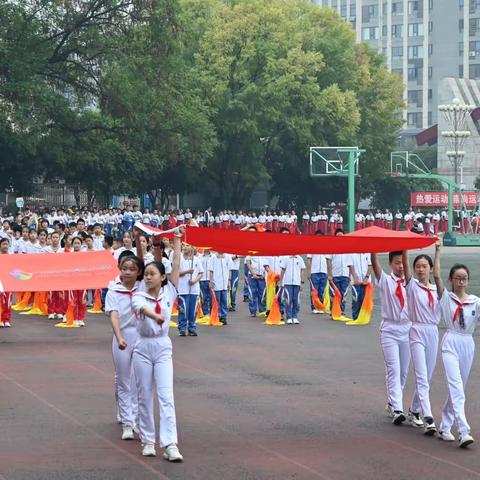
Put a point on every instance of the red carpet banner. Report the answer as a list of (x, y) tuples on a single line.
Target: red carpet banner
[(65, 271), (371, 239)]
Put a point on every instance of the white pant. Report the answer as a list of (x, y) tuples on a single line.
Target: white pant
[(423, 347), (152, 360), (396, 352), (457, 355), (126, 389)]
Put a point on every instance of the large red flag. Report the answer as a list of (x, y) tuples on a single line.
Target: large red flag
[(65, 271), (238, 242)]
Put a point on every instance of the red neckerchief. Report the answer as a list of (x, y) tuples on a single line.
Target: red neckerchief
[(399, 292), (458, 312), (431, 300)]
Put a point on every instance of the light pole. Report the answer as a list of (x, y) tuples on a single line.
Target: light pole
[(455, 115)]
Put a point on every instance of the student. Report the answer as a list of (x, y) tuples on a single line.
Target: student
[(256, 284), (291, 279), (97, 237), (461, 312), (317, 273), (234, 274), (338, 272), (56, 303), (191, 272), (78, 297), (206, 293), (424, 314), (220, 267), (152, 355), (394, 331), (360, 267), (5, 297), (118, 306)]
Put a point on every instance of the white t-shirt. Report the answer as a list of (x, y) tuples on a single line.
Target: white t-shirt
[(274, 264), (422, 307), (119, 299), (293, 266), (146, 327), (471, 312), (392, 310), (360, 263), (339, 264), (319, 263), (186, 264), (220, 271), (258, 264)]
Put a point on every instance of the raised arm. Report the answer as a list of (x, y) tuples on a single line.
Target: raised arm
[(377, 268), (437, 276), (177, 246), (406, 267)]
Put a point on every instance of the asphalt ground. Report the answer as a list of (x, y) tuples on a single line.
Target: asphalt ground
[(253, 402)]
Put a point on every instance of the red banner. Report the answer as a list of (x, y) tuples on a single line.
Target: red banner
[(56, 272), (440, 199), (372, 239)]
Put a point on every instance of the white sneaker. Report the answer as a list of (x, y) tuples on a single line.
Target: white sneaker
[(59, 316), (446, 436), (64, 318), (464, 440), (76, 323), (2, 324), (414, 419), (295, 321), (149, 450), (429, 426), (289, 321), (51, 316), (81, 323), (136, 429), (172, 454), (127, 433), (315, 312), (7, 324), (389, 410), (398, 417)]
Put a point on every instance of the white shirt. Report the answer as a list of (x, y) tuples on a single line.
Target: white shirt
[(220, 271), (319, 263), (391, 307), (339, 264), (118, 251), (119, 299), (274, 264), (422, 307), (205, 259), (258, 264), (471, 312), (293, 266), (235, 262), (360, 263), (98, 242), (50, 249), (186, 264), (146, 327)]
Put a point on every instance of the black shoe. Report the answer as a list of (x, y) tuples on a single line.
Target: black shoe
[(245, 299), (231, 309), (224, 321), (398, 417), (182, 333), (192, 333)]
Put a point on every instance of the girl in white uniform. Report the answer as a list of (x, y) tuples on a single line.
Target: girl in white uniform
[(152, 355), (118, 306), (424, 314), (394, 332), (460, 312)]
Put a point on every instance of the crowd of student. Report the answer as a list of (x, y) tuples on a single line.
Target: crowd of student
[(156, 274)]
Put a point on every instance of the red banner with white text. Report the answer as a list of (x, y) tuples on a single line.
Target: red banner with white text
[(440, 199)]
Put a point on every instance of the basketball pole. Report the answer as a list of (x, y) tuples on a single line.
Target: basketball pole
[(351, 191)]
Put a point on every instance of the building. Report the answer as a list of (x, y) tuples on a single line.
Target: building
[(423, 41)]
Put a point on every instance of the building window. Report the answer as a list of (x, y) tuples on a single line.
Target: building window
[(430, 72), (460, 25), (460, 48), (397, 8), (430, 119), (414, 120), (430, 49), (415, 52), (397, 31), (369, 11), (474, 49), (460, 71), (430, 27), (475, 72), (474, 6), (430, 4), (412, 7), (461, 4), (397, 53), (415, 97), (384, 30), (415, 29), (412, 73), (370, 33), (398, 71), (430, 93), (474, 26)]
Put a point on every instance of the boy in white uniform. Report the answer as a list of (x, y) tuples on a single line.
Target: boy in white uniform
[(360, 265), (291, 279), (234, 272), (338, 272), (220, 267), (394, 331), (205, 291), (256, 284)]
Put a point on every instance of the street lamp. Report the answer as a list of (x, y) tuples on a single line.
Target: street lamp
[(455, 115)]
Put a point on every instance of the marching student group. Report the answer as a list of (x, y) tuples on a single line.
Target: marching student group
[(157, 274)]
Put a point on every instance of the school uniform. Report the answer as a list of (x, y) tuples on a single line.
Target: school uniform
[(292, 267), (424, 313), (205, 291), (56, 301), (220, 267), (318, 275), (256, 286), (394, 339), (360, 263), (119, 299), (340, 275), (188, 294), (398, 220), (458, 348), (234, 274)]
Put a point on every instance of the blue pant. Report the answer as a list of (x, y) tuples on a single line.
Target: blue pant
[(246, 293), (358, 294), (187, 312), (291, 297), (206, 294), (222, 299), (319, 280), (127, 225), (256, 289), (342, 284), (109, 228), (234, 286)]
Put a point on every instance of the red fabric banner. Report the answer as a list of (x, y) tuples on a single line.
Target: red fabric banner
[(440, 199), (238, 242), (63, 271)]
